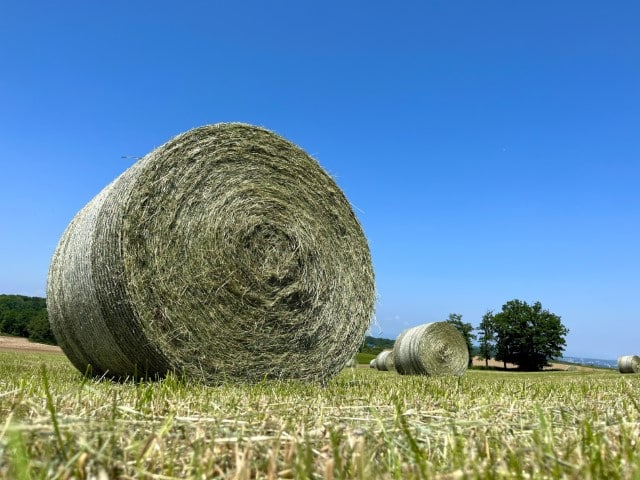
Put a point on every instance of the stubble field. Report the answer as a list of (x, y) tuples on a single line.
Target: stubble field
[(364, 424)]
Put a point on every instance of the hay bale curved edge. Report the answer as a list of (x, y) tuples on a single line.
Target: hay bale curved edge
[(226, 253), (384, 360), (629, 364), (436, 348)]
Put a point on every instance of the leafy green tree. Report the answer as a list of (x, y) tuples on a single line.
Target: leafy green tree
[(486, 337), (465, 329), (528, 335), (23, 316), (39, 329)]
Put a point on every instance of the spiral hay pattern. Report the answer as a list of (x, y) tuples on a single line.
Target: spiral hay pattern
[(436, 348), (629, 364), (226, 253)]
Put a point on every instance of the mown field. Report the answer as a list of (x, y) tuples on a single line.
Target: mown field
[(365, 424)]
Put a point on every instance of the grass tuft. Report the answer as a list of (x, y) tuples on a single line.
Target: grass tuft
[(362, 424)]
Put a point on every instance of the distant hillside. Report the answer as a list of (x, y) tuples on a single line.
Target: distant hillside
[(376, 345), (22, 316)]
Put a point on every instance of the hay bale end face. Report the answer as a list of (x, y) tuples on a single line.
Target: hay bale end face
[(436, 348), (226, 253), (629, 364)]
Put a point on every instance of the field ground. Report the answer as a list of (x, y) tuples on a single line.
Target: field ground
[(582, 424), (364, 359), (18, 344)]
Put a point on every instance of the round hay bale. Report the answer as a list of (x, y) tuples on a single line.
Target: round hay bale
[(629, 364), (436, 348), (384, 360), (226, 253), (372, 363), (352, 363), (389, 362)]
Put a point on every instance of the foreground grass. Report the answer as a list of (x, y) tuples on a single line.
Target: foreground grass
[(364, 424)]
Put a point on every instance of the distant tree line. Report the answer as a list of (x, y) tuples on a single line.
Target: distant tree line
[(376, 345), (22, 316), (525, 335)]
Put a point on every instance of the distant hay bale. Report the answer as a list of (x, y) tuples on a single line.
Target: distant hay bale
[(372, 363), (384, 360), (352, 363), (436, 348), (629, 364), (389, 362), (226, 253)]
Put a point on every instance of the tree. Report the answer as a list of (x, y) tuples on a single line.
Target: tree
[(528, 335), (486, 337), (465, 329), (39, 329), (23, 316)]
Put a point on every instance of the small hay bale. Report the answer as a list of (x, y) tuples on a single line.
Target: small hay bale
[(436, 348), (629, 364), (226, 253), (384, 360), (389, 362), (352, 363), (372, 363)]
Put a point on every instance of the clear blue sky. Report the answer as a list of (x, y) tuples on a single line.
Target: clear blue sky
[(491, 149)]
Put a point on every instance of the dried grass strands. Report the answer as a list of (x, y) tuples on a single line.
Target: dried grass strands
[(436, 348), (227, 252), (629, 364)]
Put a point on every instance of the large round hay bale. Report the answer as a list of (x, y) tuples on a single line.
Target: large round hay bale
[(226, 253), (629, 364), (436, 348), (384, 360)]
